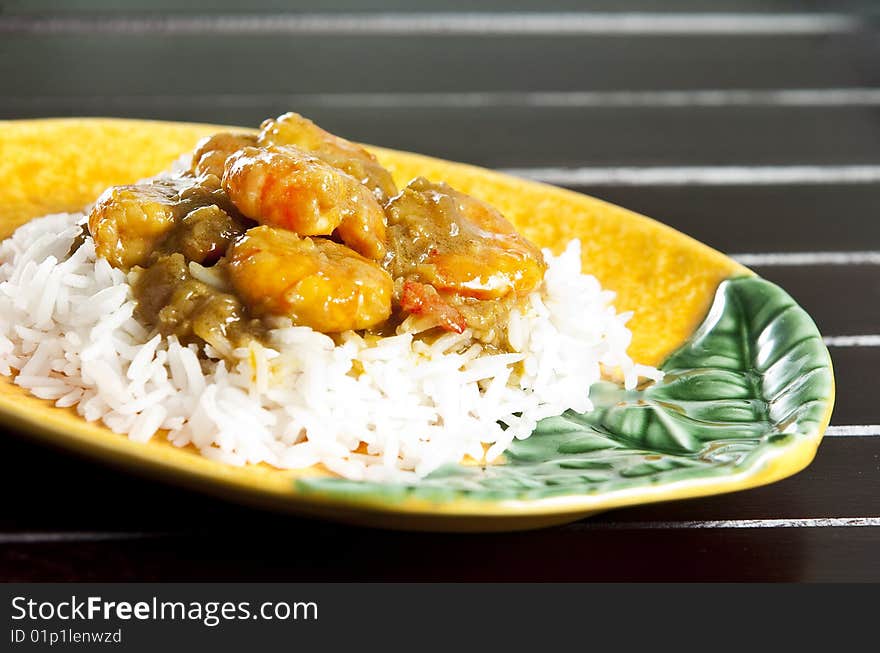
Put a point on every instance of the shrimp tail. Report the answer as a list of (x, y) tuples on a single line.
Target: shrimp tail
[(423, 299)]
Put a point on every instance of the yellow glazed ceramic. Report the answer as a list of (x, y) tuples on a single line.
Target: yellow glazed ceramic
[(723, 433)]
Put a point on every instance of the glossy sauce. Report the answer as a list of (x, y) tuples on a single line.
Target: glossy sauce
[(301, 224)]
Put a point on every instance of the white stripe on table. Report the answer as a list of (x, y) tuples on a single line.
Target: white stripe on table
[(809, 258), (821, 522), (75, 536), (832, 97), (872, 340), (853, 431), (407, 24), (703, 175)]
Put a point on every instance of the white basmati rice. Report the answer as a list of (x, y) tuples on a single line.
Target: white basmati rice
[(67, 334)]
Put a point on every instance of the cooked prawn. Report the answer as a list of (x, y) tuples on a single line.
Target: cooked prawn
[(127, 222), (211, 153), (351, 158), (458, 244), (313, 281), (281, 186)]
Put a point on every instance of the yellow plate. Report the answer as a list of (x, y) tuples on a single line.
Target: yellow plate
[(667, 278)]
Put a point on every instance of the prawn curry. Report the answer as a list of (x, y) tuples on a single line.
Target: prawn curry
[(298, 224)]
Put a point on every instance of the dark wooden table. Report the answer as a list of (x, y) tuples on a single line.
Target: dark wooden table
[(753, 126)]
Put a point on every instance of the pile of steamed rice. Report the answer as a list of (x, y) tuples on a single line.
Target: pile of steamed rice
[(394, 409)]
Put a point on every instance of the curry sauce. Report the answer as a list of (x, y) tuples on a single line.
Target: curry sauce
[(301, 224)]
